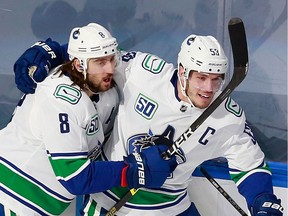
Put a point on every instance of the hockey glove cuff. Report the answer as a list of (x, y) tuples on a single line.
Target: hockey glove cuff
[(267, 205)]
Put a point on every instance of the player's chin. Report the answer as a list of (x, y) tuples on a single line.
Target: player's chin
[(202, 104)]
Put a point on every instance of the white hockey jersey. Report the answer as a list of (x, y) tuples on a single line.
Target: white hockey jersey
[(150, 106), (47, 141)]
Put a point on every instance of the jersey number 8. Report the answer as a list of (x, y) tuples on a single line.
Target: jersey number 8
[(64, 124)]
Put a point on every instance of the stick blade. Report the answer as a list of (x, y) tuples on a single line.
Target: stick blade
[(238, 42)]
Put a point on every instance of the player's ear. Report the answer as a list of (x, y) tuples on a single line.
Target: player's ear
[(180, 70), (78, 65)]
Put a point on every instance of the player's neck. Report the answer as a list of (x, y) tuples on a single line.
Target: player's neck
[(89, 92), (181, 96)]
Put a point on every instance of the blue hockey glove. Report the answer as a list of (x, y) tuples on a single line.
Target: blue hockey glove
[(147, 168), (267, 205), (35, 63)]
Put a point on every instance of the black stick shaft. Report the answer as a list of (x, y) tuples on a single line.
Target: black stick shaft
[(121, 202), (223, 192)]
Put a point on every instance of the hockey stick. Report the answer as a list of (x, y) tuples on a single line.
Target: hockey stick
[(240, 55), (222, 191), (121, 202)]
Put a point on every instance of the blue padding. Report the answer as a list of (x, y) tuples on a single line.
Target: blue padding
[(79, 205), (2, 210), (279, 171), (218, 168)]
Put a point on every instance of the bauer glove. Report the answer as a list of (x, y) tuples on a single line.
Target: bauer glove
[(147, 168), (267, 205), (35, 63)]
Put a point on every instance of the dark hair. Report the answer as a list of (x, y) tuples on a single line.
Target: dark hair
[(76, 77)]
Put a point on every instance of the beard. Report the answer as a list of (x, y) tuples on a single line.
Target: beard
[(93, 87), (97, 87)]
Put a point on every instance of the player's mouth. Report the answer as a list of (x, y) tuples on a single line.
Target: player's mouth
[(204, 95), (107, 79)]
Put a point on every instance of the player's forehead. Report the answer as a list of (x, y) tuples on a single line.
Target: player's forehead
[(205, 74), (104, 58)]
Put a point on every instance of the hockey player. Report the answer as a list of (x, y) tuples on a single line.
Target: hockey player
[(48, 149), (159, 102)]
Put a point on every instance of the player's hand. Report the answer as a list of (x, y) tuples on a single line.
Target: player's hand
[(267, 205), (35, 63), (147, 168)]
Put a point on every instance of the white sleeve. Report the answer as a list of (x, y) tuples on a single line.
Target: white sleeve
[(242, 150), (123, 68)]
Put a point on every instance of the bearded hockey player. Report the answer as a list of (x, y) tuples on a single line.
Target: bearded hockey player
[(48, 149)]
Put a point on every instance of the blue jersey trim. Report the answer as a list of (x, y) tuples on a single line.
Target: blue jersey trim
[(219, 169)]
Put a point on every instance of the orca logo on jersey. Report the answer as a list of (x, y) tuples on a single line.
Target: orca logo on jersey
[(93, 126), (145, 106), (153, 64), (141, 141)]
